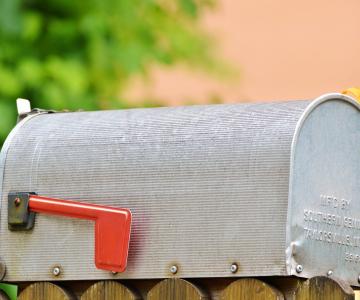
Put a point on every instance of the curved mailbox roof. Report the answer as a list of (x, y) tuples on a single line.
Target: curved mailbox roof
[(208, 186)]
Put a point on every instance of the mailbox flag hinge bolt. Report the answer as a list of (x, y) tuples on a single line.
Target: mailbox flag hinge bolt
[(174, 269), (299, 268), (56, 271), (233, 268), (329, 273), (17, 201)]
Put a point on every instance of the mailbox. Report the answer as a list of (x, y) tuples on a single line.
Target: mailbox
[(229, 190)]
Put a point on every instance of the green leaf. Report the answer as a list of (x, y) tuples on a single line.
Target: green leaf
[(10, 17), (7, 117), (33, 26), (10, 86), (189, 7), (11, 290)]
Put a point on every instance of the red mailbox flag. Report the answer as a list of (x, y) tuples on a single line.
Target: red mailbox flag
[(112, 227)]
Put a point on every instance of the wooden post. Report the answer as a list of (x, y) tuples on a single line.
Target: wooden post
[(109, 290), (324, 288), (176, 289), (44, 291), (250, 288)]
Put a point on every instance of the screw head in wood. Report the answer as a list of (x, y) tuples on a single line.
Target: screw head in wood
[(17, 201)]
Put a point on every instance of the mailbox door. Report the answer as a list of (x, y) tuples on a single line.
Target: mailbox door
[(324, 210)]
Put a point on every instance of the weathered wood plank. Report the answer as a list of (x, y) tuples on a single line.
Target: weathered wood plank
[(44, 291), (324, 288), (250, 288), (109, 290), (176, 289)]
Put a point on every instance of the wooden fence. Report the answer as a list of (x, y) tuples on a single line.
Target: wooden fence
[(273, 288)]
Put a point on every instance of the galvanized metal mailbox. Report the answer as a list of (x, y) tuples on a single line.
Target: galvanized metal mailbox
[(214, 191)]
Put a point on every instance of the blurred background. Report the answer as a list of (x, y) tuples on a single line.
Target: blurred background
[(105, 54)]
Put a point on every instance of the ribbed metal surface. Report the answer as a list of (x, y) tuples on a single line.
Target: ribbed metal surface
[(207, 185)]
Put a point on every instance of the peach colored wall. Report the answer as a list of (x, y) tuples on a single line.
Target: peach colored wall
[(284, 49)]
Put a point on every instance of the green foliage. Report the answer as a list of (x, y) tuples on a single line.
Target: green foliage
[(82, 54)]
